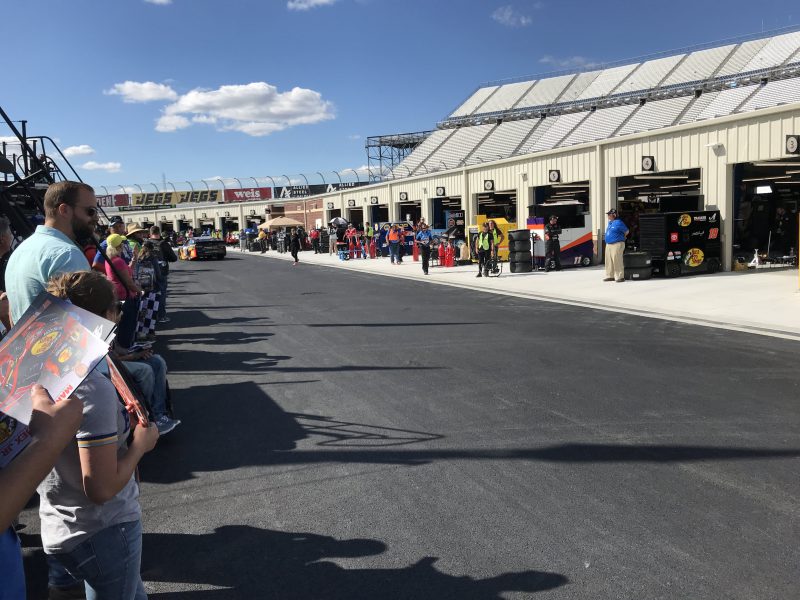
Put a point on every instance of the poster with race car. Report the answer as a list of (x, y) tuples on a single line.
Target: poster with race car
[(49, 345)]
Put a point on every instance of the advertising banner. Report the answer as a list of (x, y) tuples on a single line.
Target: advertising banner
[(169, 199), (122, 200), (105, 201), (303, 191), (248, 194)]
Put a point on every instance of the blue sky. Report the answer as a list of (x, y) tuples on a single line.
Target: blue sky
[(195, 89)]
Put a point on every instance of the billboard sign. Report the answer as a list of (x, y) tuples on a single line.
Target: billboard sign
[(304, 191), (248, 194)]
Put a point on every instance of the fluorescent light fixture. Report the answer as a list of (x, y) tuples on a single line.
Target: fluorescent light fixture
[(767, 178), (790, 182), (792, 172), (661, 177), (693, 181), (675, 187), (763, 189), (638, 185), (570, 185), (777, 164)]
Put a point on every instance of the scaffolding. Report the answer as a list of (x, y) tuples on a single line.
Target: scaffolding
[(385, 152)]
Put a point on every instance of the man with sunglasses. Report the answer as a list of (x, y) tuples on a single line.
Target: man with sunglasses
[(70, 218)]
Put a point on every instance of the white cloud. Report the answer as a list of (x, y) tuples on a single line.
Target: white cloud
[(159, 2), (147, 91), (355, 136), (256, 109), (81, 150), (110, 167), (307, 4), (511, 17), (568, 62), (167, 123)]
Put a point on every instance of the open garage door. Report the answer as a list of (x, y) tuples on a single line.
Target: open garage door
[(672, 191), (356, 217), (570, 203), (766, 199)]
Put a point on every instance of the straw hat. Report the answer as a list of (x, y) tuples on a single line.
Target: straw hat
[(135, 228)]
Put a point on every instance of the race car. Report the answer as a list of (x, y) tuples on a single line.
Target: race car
[(202, 247)]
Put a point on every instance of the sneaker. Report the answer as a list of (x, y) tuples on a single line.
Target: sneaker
[(608, 279), (164, 424), (164, 320), (478, 275), (620, 280)]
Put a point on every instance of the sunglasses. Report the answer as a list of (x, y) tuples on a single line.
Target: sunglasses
[(89, 210)]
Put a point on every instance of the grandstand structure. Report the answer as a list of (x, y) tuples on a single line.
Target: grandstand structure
[(710, 127), (524, 117)]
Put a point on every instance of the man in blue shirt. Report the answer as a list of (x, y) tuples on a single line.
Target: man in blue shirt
[(423, 239), (70, 216), (616, 232), (116, 226)]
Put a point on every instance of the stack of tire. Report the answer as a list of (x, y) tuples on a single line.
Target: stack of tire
[(520, 256), (638, 265)]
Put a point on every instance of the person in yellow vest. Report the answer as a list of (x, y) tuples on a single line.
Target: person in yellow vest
[(484, 246), (369, 233), (497, 238), (262, 239)]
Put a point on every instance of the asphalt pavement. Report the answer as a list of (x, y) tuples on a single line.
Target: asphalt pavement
[(350, 436)]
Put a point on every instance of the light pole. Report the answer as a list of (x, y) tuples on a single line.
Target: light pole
[(191, 187)]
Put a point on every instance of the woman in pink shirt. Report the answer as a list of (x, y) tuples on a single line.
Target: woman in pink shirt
[(121, 275)]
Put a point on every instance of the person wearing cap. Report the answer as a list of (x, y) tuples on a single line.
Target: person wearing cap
[(552, 247), (424, 239), (616, 232), (115, 226)]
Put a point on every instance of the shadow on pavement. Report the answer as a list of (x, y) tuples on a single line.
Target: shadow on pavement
[(279, 565)]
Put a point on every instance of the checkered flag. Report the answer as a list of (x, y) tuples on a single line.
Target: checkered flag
[(148, 309)]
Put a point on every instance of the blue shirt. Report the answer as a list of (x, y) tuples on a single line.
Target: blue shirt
[(424, 236), (615, 232), (126, 253), (46, 253), (11, 573)]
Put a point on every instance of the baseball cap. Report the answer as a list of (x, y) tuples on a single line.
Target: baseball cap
[(115, 240), (114, 220), (613, 211)]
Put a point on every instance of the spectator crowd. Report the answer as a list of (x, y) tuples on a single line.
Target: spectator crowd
[(85, 449)]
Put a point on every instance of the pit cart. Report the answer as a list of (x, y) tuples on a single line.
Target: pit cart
[(682, 243)]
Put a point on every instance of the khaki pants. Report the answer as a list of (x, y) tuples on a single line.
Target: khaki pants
[(614, 265)]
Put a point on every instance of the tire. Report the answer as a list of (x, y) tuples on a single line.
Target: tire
[(638, 273), (636, 260), (519, 257), (586, 261), (713, 265), (519, 235), (519, 246), (549, 264), (518, 267), (672, 269)]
